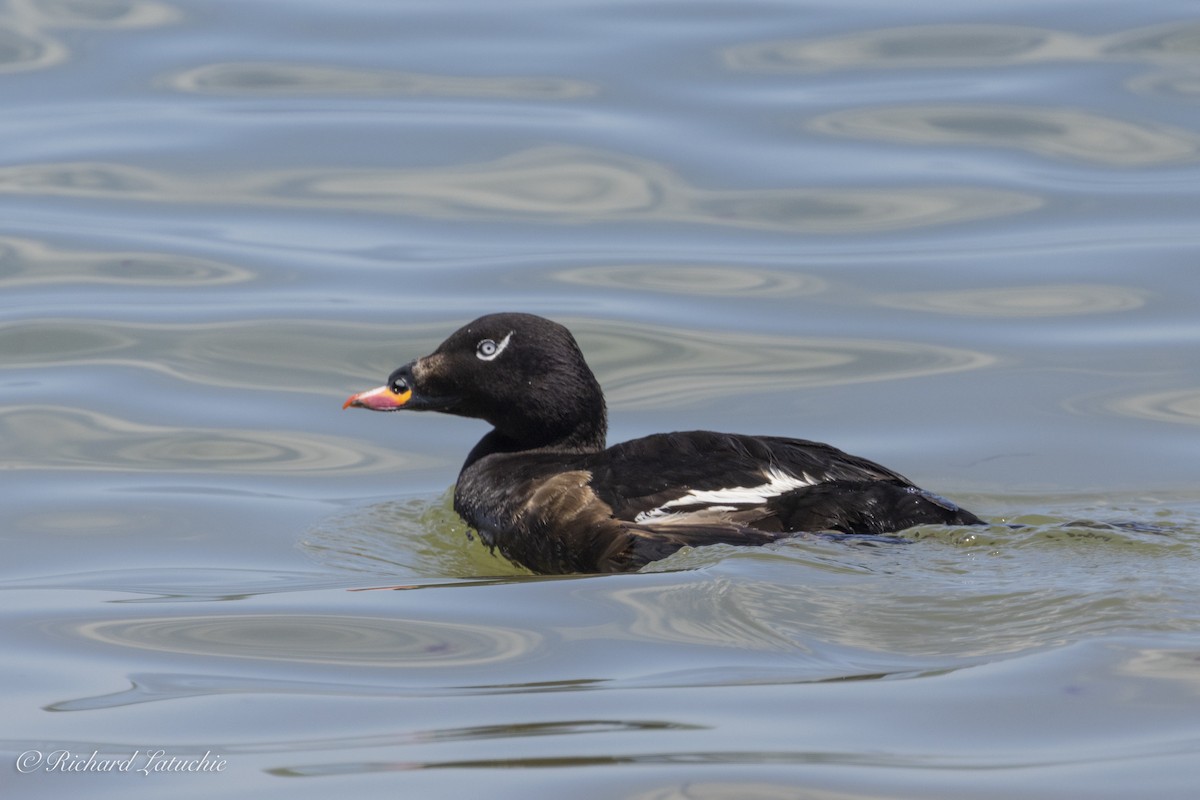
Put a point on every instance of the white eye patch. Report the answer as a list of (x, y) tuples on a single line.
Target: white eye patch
[(487, 350)]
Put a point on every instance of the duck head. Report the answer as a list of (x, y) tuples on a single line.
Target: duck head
[(522, 373)]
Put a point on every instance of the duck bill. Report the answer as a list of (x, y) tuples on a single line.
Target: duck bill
[(383, 398)]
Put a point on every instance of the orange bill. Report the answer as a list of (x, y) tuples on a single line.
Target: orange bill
[(383, 398)]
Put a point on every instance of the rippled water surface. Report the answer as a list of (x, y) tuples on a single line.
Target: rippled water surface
[(959, 239)]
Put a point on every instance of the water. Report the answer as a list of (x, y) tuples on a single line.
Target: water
[(957, 239)]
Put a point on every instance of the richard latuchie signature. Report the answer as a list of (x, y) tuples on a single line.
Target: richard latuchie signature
[(144, 762)]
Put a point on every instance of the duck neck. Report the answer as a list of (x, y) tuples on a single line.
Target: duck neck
[(585, 437)]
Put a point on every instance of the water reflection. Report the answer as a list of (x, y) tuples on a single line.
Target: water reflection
[(964, 46), (319, 639), (95, 180), (1174, 86), (1174, 42), (24, 49), (106, 14), (695, 610), (723, 281), (55, 343), (29, 262), (1177, 666), (830, 210), (420, 537), (749, 790), (90, 522), (649, 366), (55, 437), (1021, 301), (1053, 132), (560, 185), (1178, 406), (273, 79), (1175, 45), (864, 608), (156, 585), (920, 46), (25, 43), (157, 687), (276, 355)]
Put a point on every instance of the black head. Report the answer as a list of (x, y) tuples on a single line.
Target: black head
[(522, 373)]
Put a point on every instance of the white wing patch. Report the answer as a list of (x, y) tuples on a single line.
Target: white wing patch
[(732, 497)]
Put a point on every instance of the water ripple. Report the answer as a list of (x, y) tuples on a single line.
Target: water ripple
[(699, 279), (1052, 132), (419, 537), (55, 437), (1175, 86), (648, 366), (919, 46), (558, 185), (866, 598), (24, 50), (319, 639), (25, 45), (273, 79), (1176, 46), (107, 14), (1177, 406), (276, 355), (1021, 301), (952, 46), (47, 343), (1173, 42), (29, 262), (698, 610)]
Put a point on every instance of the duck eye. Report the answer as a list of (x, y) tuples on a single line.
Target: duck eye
[(487, 349)]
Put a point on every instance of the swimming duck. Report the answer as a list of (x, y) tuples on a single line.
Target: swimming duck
[(544, 489)]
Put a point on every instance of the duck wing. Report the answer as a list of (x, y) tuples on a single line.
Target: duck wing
[(668, 474), (699, 488)]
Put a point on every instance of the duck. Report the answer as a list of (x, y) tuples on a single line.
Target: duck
[(544, 489)]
